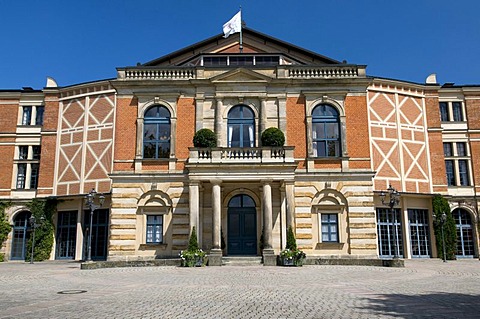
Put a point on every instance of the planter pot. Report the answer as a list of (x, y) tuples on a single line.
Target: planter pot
[(288, 262), (194, 262)]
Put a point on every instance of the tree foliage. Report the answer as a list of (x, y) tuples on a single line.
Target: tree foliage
[(273, 137), (193, 242), (205, 138), (43, 211), (440, 206), (4, 225), (291, 241)]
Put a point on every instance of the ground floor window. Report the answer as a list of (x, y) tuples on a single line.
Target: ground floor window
[(389, 230), (154, 229), (463, 223), (329, 227), (419, 232), (66, 235), (20, 235)]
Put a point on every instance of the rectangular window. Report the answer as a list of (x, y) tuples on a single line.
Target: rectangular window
[(215, 61), (444, 111), (447, 149), (36, 149), (463, 172), (34, 176), (461, 149), (39, 117), (419, 235), (330, 228), (241, 60), (450, 173), (457, 111), (21, 173), (23, 152), (27, 115), (267, 60), (389, 230), (154, 229)]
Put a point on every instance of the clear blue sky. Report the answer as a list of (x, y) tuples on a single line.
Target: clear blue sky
[(82, 41)]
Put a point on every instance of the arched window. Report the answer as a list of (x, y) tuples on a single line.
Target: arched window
[(465, 235), (241, 123), (325, 131), (156, 132), (20, 235)]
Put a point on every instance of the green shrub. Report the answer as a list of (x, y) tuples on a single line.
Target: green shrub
[(273, 137), (440, 205), (4, 226), (193, 242), (205, 138), (43, 211), (291, 241)]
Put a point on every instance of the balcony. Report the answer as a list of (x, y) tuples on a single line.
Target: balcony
[(243, 156)]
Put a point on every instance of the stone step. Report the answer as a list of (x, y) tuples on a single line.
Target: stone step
[(241, 261)]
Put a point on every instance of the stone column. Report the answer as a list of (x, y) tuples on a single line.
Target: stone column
[(269, 259), (218, 122), (194, 202), (215, 257), (263, 116), (198, 113), (290, 191)]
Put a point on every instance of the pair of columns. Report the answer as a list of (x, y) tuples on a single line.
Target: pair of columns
[(194, 198)]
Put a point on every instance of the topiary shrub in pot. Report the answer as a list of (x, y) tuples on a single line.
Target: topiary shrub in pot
[(273, 137), (291, 255), (205, 138)]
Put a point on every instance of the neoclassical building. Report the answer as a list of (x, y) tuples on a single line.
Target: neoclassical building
[(348, 137)]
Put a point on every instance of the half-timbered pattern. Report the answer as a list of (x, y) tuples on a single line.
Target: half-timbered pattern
[(348, 137)]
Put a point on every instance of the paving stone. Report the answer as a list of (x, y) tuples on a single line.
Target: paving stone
[(423, 289)]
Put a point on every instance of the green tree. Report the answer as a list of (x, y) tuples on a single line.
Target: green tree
[(291, 241), (440, 206), (193, 242)]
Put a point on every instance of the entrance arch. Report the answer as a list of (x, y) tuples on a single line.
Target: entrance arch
[(20, 235), (242, 226)]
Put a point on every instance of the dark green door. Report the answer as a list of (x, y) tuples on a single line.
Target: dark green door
[(242, 226)]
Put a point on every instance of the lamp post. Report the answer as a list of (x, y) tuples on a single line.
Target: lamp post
[(392, 200), (90, 203), (443, 219), (34, 225)]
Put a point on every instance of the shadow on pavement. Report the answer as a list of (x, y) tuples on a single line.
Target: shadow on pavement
[(429, 305)]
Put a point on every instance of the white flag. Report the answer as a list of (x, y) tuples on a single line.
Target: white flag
[(234, 25)]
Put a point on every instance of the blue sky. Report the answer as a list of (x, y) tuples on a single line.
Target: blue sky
[(82, 41)]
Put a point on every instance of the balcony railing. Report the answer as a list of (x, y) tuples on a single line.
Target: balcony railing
[(245, 155)]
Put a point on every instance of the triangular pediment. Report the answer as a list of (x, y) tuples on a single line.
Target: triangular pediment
[(240, 75), (253, 43)]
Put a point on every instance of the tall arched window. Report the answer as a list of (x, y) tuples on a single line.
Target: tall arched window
[(241, 127), (325, 131), (465, 236), (156, 132)]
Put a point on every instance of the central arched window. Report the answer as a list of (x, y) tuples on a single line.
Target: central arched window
[(325, 131), (156, 132), (241, 124)]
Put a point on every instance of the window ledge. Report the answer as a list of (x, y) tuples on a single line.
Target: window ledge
[(329, 246), (153, 246)]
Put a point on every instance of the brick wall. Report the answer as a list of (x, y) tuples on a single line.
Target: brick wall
[(8, 124), (185, 127), (125, 132), (296, 119), (357, 131)]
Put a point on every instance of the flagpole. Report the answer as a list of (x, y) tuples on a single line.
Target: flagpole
[(241, 27)]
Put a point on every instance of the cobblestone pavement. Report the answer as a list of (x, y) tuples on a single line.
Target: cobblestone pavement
[(423, 289)]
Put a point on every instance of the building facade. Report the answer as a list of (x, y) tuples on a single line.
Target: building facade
[(348, 137)]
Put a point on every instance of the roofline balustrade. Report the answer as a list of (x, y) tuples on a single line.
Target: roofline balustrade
[(224, 155)]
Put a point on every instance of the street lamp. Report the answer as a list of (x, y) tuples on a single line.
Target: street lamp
[(443, 219), (90, 203), (34, 225), (392, 200)]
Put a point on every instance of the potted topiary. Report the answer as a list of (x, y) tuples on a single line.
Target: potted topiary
[(205, 138), (193, 256), (291, 255), (273, 137)]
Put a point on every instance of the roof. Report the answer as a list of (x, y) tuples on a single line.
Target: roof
[(255, 41)]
